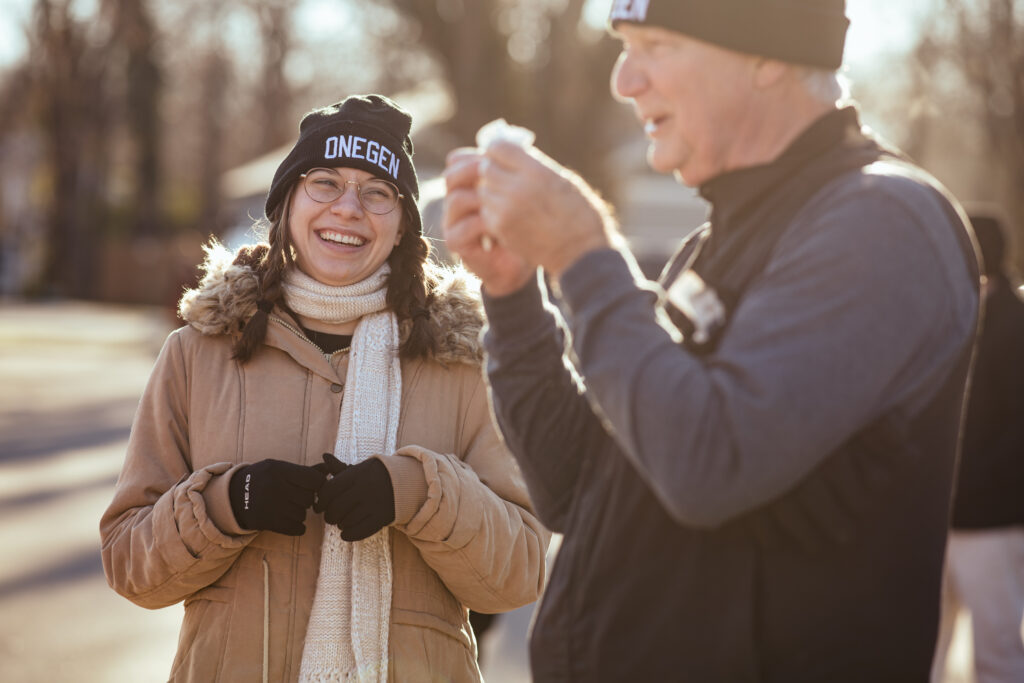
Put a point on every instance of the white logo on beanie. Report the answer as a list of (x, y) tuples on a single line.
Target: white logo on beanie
[(356, 147), (629, 10)]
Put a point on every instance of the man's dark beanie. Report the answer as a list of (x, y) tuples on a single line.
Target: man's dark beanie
[(368, 132), (809, 32)]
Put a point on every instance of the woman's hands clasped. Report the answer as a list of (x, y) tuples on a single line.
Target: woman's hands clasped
[(274, 495)]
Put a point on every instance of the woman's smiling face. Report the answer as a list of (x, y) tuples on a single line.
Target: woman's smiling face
[(340, 243)]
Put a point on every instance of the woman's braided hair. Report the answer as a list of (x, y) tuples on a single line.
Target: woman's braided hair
[(410, 286)]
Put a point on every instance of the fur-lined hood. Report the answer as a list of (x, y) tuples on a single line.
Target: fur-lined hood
[(227, 294)]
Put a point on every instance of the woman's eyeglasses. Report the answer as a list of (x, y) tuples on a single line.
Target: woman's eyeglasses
[(326, 186)]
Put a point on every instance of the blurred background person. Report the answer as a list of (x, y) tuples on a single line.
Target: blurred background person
[(424, 513), (985, 553), (752, 463)]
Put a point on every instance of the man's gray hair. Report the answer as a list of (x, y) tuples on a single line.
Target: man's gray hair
[(825, 85)]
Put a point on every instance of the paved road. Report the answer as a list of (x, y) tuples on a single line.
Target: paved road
[(70, 378)]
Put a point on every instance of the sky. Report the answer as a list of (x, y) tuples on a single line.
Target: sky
[(878, 27)]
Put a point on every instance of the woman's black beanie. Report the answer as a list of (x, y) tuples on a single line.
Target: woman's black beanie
[(809, 32), (368, 132)]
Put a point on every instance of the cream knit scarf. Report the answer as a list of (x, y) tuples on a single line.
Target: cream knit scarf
[(347, 636)]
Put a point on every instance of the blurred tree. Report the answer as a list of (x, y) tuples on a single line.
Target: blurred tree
[(536, 63), (206, 109), (230, 98), (94, 80), (134, 34), (978, 48), (69, 67), (141, 106), (17, 83), (274, 18), (214, 76), (18, 163)]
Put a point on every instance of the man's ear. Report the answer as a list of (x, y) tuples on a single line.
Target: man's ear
[(769, 72)]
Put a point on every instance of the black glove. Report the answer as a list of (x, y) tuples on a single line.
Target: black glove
[(358, 498), (274, 495)]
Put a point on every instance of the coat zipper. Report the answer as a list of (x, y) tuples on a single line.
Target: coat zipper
[(266, 566), (306, 339)]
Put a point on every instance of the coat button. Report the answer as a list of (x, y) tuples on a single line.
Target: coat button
[(336, 388)]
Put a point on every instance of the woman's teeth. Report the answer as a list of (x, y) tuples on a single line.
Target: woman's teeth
[(339, 238)]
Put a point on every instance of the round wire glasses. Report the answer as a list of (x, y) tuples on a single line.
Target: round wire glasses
[(375, 194)]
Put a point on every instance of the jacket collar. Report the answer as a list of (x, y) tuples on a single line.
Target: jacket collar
[(284, 333), (732, 193)]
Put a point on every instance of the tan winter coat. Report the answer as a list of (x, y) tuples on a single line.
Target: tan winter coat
[(466, 537)]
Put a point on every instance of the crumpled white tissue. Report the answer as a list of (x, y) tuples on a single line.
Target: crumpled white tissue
[(501, 130)]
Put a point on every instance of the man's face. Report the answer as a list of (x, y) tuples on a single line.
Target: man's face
[(691, 97)]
